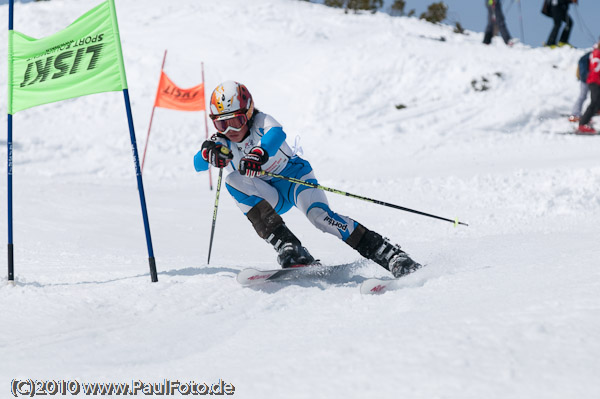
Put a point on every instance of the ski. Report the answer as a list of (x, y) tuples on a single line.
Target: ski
[(375, 286), (576, 133), (251, 276)]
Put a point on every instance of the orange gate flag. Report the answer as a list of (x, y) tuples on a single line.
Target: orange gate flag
[(173, 97)]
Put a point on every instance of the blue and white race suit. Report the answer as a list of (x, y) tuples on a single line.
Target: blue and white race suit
[(267, 133)]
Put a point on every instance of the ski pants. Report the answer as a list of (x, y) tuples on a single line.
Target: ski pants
[(594, 106), (283, 195), (583, 93), (495, 18), (560, 14)]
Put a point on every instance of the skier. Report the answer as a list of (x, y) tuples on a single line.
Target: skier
[(559, 11), (249, 142), (496, 19), (593, 81), (583, 67)]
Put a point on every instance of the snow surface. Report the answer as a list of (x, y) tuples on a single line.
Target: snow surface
[(506, 308)]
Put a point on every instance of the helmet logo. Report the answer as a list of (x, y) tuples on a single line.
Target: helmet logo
[(231, 97)]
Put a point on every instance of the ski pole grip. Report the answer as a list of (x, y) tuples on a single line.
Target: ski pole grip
[(225, 151)]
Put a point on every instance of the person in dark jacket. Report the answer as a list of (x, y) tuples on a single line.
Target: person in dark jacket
[(559, 11), (496, 19), (583, 69)]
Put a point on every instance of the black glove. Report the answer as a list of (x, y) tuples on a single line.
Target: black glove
[(216, 154), (251, 164)]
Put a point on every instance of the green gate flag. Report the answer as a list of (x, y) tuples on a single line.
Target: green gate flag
[(84, 58)]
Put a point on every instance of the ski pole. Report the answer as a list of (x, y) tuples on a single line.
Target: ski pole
[(509, 7), (521, 20), (582, 24), (335, 191), (214, 220)]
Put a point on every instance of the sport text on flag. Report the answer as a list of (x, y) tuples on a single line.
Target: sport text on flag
[(84, 58)]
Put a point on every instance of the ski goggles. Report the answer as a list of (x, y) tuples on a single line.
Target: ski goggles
[(224, 123)]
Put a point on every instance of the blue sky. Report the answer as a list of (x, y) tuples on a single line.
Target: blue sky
[(472, 14)]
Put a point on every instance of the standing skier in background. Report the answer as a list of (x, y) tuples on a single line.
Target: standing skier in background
[(559, 11), (593, 81), (249, 142), (496, 19), (583, 69)]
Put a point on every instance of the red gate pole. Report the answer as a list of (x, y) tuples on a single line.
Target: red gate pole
[(153, 108), (206, 128)]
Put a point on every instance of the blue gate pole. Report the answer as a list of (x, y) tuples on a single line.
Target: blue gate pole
[(11, 265), (140, 183)]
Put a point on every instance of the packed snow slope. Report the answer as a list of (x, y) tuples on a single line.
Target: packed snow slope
[(506, 308)]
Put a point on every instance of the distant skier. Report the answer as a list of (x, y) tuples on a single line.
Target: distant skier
[(593, 81), (583, 69), (496, 20), (559, 11), (248, 142)]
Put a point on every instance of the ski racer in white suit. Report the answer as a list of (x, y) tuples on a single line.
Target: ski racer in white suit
[(249, 142)]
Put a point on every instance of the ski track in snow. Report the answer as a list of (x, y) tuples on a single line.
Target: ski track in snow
[(506, 308)]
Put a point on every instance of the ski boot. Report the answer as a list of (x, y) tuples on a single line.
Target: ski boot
[(378, 249), (290, 251), (292, 255), (401, 264), (270, 226), (586, 129)]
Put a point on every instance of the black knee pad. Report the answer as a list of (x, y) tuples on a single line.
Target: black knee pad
[(264, 219), (356, 236)]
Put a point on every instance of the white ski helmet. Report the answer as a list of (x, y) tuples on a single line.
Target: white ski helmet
[(231, 97)]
